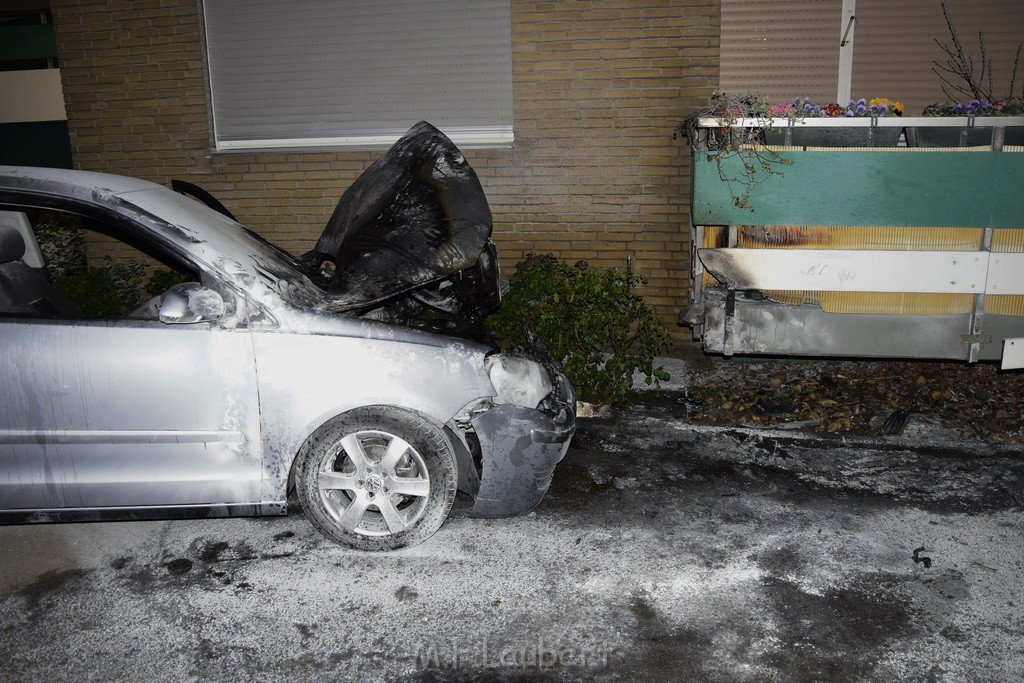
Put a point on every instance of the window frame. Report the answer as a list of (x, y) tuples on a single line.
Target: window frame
[(111, 224)]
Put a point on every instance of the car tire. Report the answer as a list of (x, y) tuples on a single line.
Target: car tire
[(377, 478)]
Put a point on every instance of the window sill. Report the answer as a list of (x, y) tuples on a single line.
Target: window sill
[(466, 138)]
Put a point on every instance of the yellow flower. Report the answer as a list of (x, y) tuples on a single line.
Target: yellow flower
[(892, 105)]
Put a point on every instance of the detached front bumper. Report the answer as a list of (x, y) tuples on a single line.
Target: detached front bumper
[(520, 448)]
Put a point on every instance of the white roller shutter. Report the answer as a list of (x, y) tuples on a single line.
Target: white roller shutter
[(360, 72)]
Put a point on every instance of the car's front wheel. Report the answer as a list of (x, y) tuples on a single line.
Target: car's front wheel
[(377, 478)]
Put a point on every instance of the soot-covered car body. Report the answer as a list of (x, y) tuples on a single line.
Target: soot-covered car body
[(264, 372)]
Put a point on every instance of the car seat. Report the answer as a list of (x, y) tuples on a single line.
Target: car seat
[(23, 289)]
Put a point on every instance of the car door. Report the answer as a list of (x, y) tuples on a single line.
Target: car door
[(116, 412), (126, 413)]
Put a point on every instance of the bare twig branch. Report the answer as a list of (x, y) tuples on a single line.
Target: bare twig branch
[(957, 75), (986, 65), (1013, 76)]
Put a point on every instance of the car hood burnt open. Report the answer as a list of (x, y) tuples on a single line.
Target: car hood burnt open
[(410, 239)]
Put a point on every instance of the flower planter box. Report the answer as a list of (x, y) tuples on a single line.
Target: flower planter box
[(966, 133), (832, 136)]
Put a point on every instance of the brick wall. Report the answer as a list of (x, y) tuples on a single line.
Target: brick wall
[(594, 173)]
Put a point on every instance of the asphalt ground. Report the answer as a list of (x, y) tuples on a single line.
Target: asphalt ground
[(665, 550)]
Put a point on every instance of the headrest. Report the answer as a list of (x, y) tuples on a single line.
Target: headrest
[(12, 245)]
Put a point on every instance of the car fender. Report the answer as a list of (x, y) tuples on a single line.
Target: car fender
[(307, 379)]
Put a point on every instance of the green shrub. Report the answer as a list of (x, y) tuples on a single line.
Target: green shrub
[(107, 291), (590, 318), (61, 241), (162, 280)]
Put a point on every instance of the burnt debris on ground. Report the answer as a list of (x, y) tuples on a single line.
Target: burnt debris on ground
[(853, 397)]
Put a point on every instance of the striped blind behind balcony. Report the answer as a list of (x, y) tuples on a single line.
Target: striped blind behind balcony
[(895, 46), (782, 49), (790, 48)]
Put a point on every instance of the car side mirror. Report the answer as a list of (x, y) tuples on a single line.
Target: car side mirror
[(190, 302)]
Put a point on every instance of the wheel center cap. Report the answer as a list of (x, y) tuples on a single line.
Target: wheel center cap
[(374, 483)]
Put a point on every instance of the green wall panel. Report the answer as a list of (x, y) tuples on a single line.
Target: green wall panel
[(43, 143), (27, 42), (949, 189)]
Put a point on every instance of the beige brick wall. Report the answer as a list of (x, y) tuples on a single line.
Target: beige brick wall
[(594, 174)]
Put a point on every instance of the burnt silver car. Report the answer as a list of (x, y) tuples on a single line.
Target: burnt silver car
[(355, 375)]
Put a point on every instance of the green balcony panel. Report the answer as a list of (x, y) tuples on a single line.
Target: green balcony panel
[(896, 188)]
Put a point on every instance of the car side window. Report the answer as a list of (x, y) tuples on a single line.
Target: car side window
[(60, 264)]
